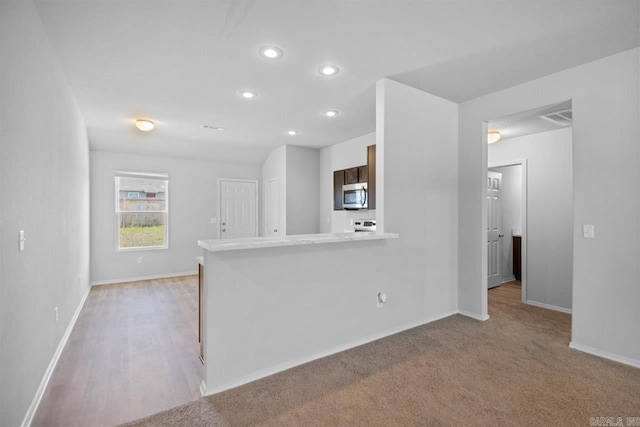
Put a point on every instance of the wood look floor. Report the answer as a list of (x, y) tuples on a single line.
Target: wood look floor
[(511, 289), (133, 352)]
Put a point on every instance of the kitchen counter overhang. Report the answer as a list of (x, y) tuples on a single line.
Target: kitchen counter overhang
[(216, 245)]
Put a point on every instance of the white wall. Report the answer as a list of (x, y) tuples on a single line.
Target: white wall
[(419, 146), (343, 155), (549, 212), (263, 321), (302, 190), (44, 187), (193, 202), (606, 178), (275, 166), (511, 207)]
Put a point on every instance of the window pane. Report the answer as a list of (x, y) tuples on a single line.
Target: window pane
[(142, 211), (140, 230), (142, 194)]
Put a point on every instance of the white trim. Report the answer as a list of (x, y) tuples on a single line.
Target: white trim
[(507, 280), (264, 205), (605, 354), (137, 279), (255, 181), (296, 362), (28, 418), (548, 306), (481, 317)]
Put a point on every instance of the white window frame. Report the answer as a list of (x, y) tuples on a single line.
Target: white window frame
[(142, 175)]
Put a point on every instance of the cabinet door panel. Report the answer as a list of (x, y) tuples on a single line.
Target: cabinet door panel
[(338, 182), (363, 173), (371, 185), (351, 176)]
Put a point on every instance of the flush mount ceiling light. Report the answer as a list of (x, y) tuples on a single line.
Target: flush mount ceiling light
[(328, 70), (331, 113), (247, 94), (212, 127), (493, 136), (292, 132), (145, 125), (271, 52)]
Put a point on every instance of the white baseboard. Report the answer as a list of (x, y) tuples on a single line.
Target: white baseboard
[(605, 354), (139, 278), (474, 316), (549, 306), (28, 418), (296, 362), (508, 279)]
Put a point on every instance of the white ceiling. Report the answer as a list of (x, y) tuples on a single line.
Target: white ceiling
[(181, 63)]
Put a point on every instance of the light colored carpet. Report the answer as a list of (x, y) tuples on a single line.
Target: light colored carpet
[(514, 369)]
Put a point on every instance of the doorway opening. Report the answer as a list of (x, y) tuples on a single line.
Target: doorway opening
[(529, 205), (512, 220)]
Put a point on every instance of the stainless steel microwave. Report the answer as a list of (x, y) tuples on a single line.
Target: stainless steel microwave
[(354, 196)]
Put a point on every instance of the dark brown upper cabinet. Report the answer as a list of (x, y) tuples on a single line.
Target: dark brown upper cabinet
[(363, 173), (371, 179), (338, 182), (355, 175), (351, 176)]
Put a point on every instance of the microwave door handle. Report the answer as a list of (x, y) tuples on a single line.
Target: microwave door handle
[(364, 192)]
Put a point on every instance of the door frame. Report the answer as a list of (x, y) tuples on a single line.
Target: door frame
[(219, 190), (523, 163), (264, 209)]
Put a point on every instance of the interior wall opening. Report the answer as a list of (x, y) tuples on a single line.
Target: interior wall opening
[(530, 205)]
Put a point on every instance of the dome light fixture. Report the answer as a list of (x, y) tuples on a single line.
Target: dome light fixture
[(145, 125), (328, 70), (292, 132), (493, 136), (331, 113), (271, 52), (247, 94)]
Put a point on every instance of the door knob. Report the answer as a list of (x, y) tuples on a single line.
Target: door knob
[(223, 230), (275, 231), (224, 223)]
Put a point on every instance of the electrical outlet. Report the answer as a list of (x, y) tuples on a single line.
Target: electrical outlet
[(140, 259), (56, 311)]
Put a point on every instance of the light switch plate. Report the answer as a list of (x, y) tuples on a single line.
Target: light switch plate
[(588, 231)]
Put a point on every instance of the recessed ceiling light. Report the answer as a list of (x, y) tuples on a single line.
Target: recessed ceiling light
[(331, 113), (212, 127), (247, 94), (145, 125), (271, 52), (328, 70), (493, 136), (292, 132)]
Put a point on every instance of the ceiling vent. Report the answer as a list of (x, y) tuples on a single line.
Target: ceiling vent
[(561, 118)]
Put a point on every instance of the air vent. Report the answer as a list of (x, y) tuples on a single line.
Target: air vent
[(561, 118)]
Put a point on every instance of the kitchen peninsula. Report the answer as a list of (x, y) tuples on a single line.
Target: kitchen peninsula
[(271, 303)]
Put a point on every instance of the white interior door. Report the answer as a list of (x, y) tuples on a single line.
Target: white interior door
[(238, 208), (494, 229), (271, 197)]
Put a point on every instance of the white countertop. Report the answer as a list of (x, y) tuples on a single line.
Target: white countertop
[(216, 245)]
